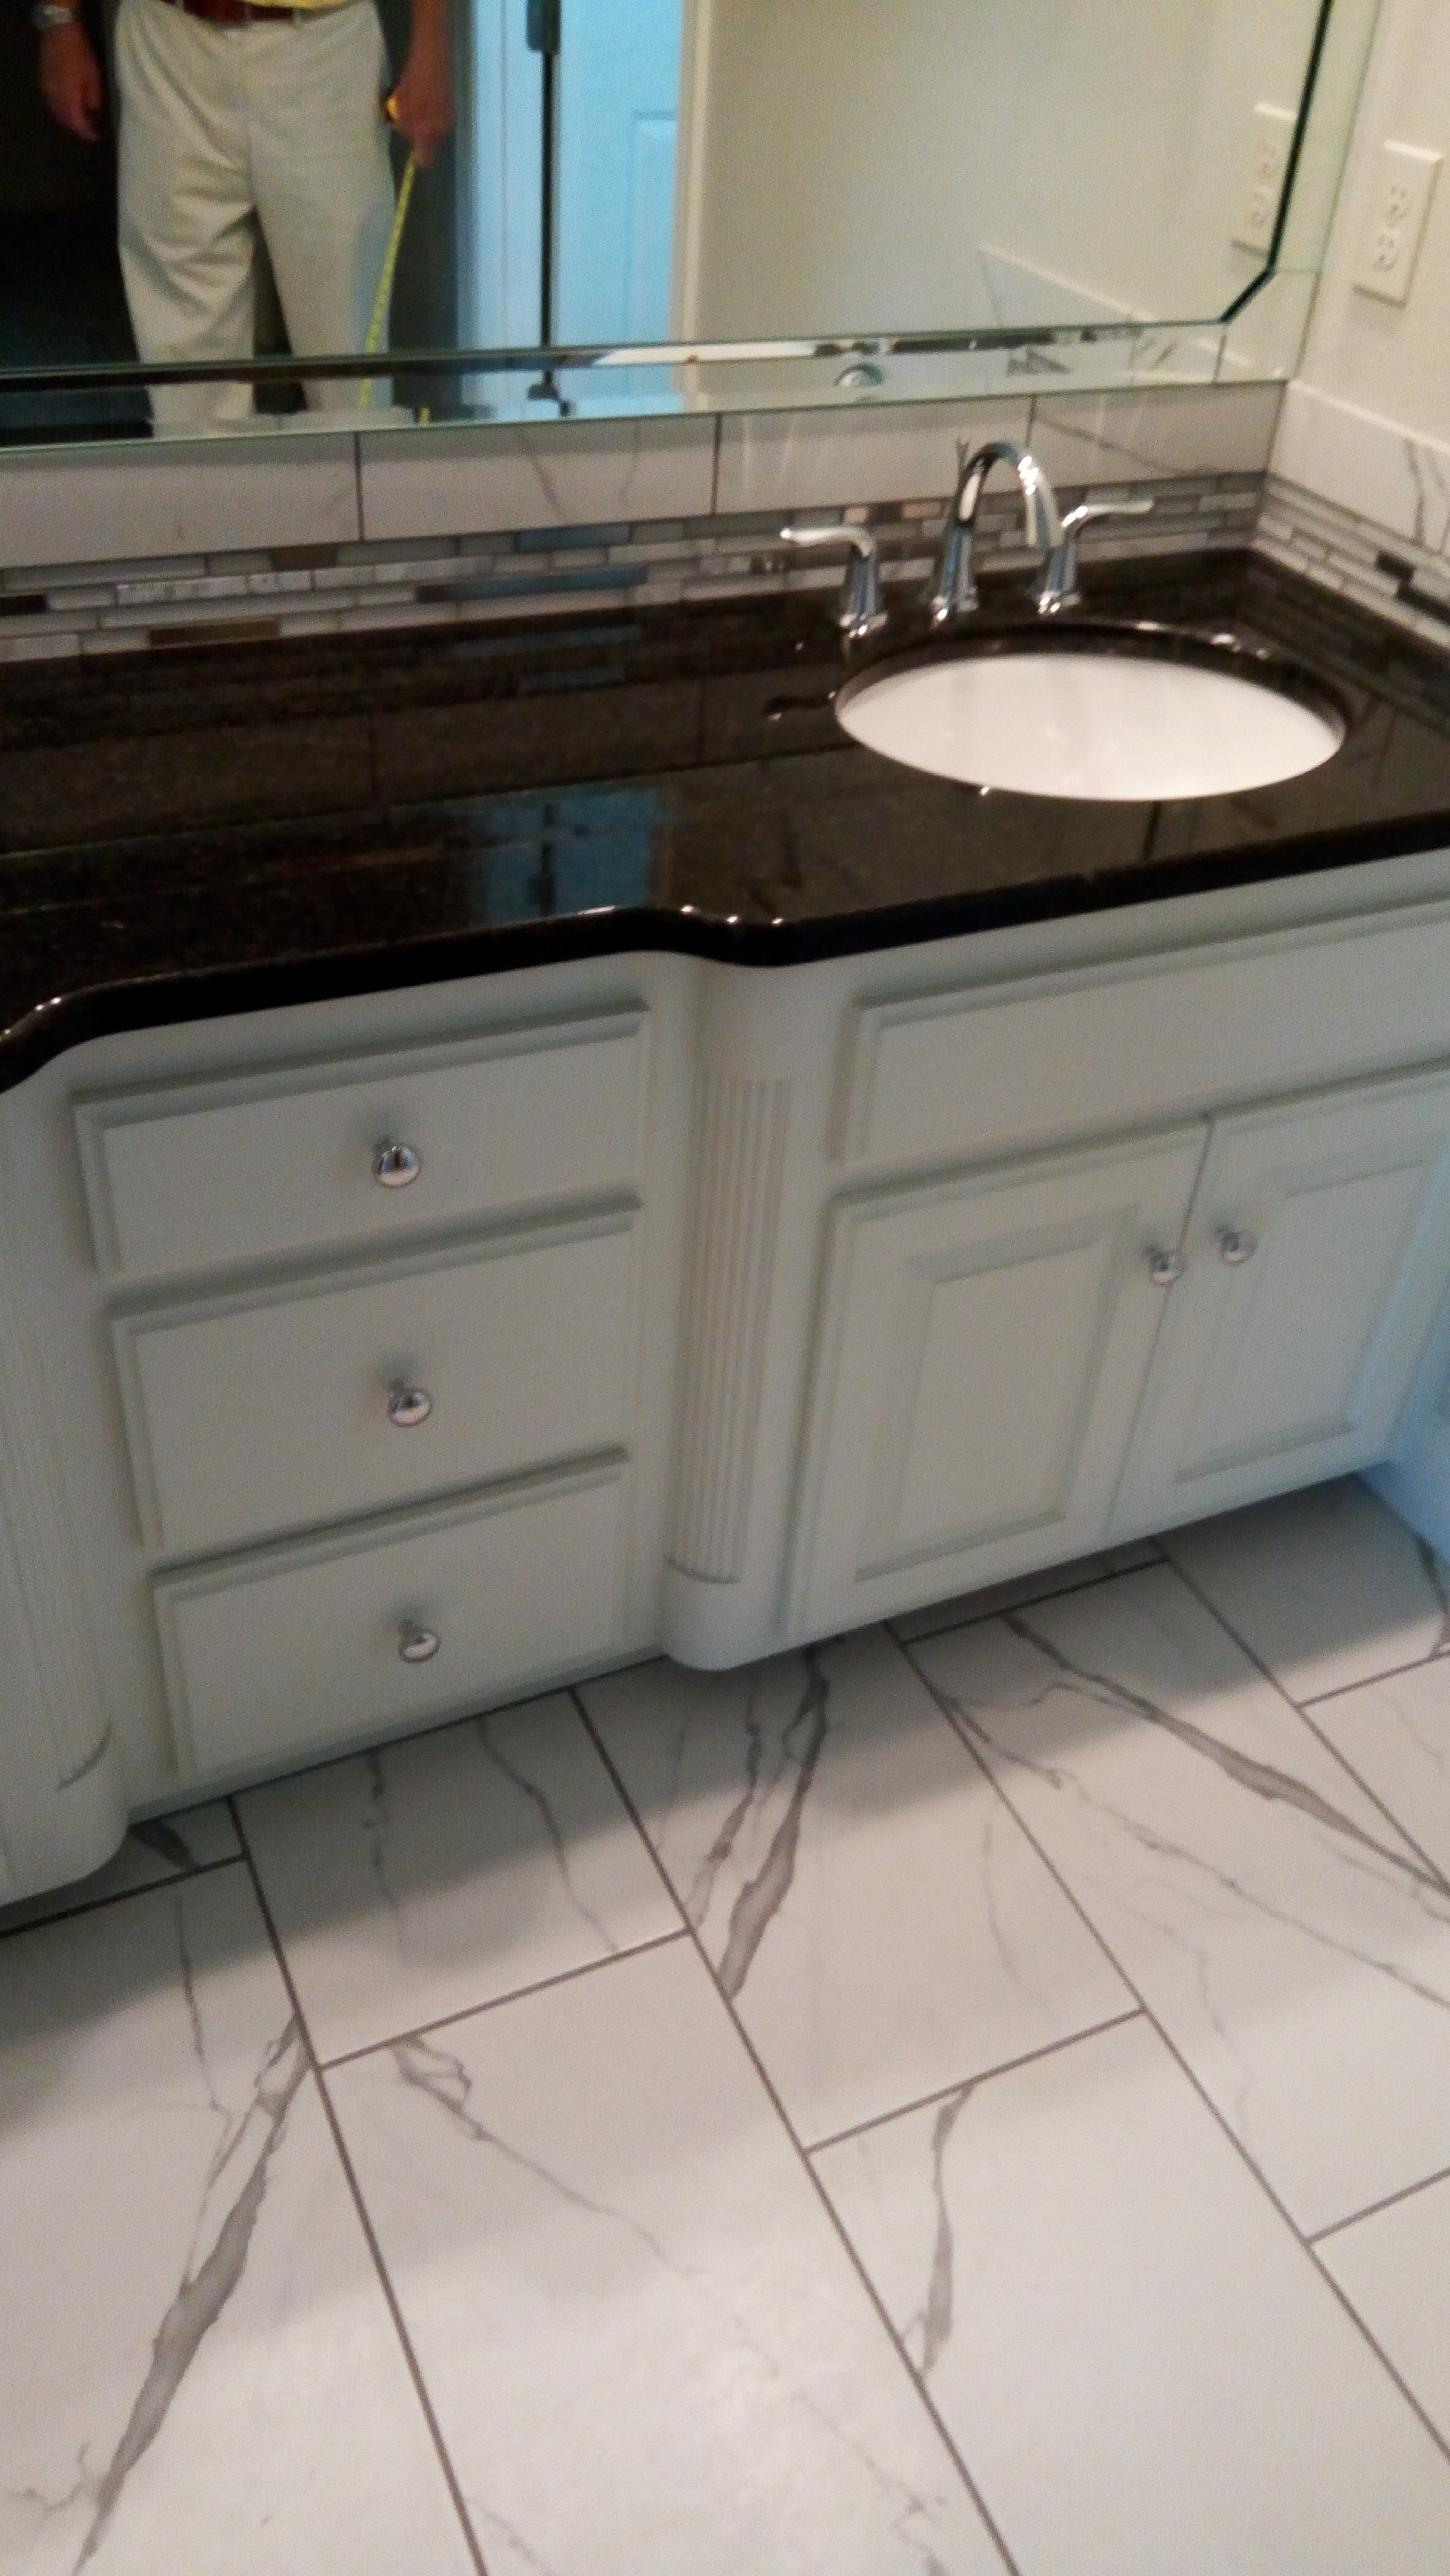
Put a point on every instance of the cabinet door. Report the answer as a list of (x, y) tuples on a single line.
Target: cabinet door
[(983, 1343), (1316, 1255)]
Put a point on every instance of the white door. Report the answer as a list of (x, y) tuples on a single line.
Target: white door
[(618, 113), (1317, 1254), (983, 1343)]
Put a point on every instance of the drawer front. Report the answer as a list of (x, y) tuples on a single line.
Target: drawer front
[(936, 1075), (258, 1164), (299, 1648), (252, 1416)]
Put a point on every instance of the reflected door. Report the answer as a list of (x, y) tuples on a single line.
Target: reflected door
[(619, 112)]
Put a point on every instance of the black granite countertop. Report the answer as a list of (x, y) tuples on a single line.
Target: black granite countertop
[(224, 828)]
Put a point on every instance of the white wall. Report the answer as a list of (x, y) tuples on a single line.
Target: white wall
[(1366, 425), (1390, 360), (843, 160)]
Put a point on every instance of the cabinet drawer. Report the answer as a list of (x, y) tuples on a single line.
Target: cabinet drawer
[(295, 1648), (1115, 1047), (254, 1414), (264, 1163)]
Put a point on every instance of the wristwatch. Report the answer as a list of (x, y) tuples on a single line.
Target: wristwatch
[(49, 14)]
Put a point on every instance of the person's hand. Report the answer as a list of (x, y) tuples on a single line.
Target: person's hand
[(70, 80), (423, 99)]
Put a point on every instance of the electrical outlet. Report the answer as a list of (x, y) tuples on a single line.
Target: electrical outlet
[(1268, 160), (1404, 183)]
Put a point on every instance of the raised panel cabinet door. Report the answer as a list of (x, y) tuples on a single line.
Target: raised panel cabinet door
[(983, 1342), (1317, 1254)]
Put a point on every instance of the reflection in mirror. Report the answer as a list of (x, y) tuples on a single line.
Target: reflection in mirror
[(205, 183)]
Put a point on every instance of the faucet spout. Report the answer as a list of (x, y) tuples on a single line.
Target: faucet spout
[(953, 590)]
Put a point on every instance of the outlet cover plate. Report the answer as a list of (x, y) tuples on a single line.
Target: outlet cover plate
[(1268, 161), (1399, 207)]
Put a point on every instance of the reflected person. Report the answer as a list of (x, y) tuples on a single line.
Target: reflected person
[(237, 117)]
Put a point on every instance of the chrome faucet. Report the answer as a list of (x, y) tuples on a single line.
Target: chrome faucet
[(953, 591), (954, 587), (860, 614)]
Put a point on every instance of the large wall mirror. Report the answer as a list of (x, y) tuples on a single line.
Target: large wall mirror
[(592, 206)]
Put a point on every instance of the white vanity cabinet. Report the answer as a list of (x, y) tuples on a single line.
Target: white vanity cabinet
[(365, 1363)]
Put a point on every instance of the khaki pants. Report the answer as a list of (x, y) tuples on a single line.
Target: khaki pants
[(225, 131)]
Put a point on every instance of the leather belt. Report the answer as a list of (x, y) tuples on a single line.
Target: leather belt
[(244, 13)]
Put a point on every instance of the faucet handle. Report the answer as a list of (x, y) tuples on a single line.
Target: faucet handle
[(860, 614), (1086, 510), (1059, 581)]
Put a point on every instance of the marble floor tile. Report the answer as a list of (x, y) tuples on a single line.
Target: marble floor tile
[(1145, 2372), (1394, 2269), (1396, 1735), (877, 1918), (1022, 1588), (161, 1848), (199, 2375), (1326, 1587), (1288, 1942), (443, 1872), (648, 2351)]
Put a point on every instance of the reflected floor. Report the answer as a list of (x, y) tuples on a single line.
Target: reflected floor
[(967, 2097)]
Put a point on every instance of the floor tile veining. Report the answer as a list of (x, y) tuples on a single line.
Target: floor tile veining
[(962, 2099)]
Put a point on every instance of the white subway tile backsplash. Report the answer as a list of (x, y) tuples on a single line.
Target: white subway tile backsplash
[(81, 505), (1085, 439), (1367, 465), (791, 460), (567, 474)]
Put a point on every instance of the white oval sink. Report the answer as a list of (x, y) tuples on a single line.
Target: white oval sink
[(1125, 726)]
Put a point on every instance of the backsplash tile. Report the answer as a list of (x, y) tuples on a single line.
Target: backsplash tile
[(477, 578), (566, 475), (803, 459), (1153, 436), (1346, 551), (1368, 466), (168, 500)]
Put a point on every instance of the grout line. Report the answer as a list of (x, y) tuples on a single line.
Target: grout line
[(1368, 1681), (973, 2083), (119, 1896), (495, 2003), (425, 2402), (1064, 1592), (1302, 1714), (1305, 2243), (918, 2384), (1391, 2200)]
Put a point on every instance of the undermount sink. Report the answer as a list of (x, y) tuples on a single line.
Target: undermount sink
[(1081, 718)]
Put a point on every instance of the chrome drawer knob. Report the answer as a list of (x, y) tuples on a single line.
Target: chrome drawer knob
[(417, 1645), (1235, 1246), (394, 1166), (409, 1404), (1165, 1267)]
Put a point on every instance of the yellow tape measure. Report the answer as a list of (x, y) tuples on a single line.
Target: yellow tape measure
[(384, 296)]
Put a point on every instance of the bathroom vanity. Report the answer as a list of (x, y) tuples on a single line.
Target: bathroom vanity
[(690, 1183)]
